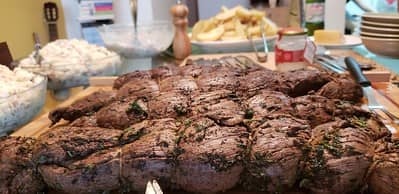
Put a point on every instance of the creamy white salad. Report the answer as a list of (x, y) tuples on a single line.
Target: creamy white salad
[(69, 63), (22, 95)]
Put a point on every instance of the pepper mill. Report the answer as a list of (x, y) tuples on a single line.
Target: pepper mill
[(181, 42)]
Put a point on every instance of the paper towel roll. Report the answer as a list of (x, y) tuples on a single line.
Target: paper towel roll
[(334, 15), (122, 12)]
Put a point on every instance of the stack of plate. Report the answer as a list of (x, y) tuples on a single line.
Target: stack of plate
[(380, 33)]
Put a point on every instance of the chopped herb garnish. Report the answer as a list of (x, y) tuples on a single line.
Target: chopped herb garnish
[(249, 114), (136, 109), (180, 110)]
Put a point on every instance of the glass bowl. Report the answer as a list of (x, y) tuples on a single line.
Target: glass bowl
[(149, 40), (18, 109), (65, 74)]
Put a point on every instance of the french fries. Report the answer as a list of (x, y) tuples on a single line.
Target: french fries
[(233, 24)]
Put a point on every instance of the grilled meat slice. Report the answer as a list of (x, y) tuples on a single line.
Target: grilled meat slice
[(169, 104), (343, 89), (150, 157), (301, 82), (255, 81), (17, 172), (122, 113), (196, 70), (339, 157), (62, 144), (139, 88), (267, 104), (222, 106), (165, 71), (183, 84), (85, 121), (384, 177), (316, 109), (274, 162), (217, 80), (125, 78), (98, 173), (83, 107), (211, 156)]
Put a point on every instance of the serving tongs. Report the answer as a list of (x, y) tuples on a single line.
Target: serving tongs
[(36, 54), (153, 188), (262, 58), (373, 105)]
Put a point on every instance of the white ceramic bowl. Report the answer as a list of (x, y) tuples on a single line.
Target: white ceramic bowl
[(382, 46), (149, 40), (380, 30), (390, 18), (380, 35), (378, 24)]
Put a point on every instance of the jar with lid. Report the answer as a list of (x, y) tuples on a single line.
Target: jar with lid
[(290, 49)]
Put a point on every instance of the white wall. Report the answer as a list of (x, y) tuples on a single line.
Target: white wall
[(209, 8)]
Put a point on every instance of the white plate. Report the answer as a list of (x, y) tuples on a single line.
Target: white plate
[(223, 46), (350, 42)]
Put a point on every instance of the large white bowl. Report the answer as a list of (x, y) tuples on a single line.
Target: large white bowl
[(18, 109), (380, 35), (229, 46), (379, 30), (390, 18), (382, 46), (378, 24), (149, 40)]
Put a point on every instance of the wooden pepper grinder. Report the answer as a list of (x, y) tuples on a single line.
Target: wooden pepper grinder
[(181, 42)]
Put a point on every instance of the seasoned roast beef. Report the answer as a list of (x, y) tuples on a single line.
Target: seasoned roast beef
[(17, 172), (138, 88), (339, 156), (210, 157), (222, 106), (275, 155), (182, 84), (122, 113), (165, 71), (252, 83), (301, 82), (125, 78), (343, 89), (384, 172), (83, 107), (169, 104), (97, 173), (267, 104), (151, 156), (62, 144), (207, 129), (218, 80)]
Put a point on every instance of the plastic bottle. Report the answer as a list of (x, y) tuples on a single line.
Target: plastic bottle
[(314, 15)]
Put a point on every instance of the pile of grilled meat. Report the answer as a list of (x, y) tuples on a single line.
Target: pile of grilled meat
[(207, 129)]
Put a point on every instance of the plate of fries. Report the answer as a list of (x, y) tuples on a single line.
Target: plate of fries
[(229, 30)]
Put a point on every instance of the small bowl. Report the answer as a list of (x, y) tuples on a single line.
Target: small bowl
[(148, 41), (380, 30), (382, 46), (380, 35), (68, 74), (390, 18), (377, 24), (18, 109)]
